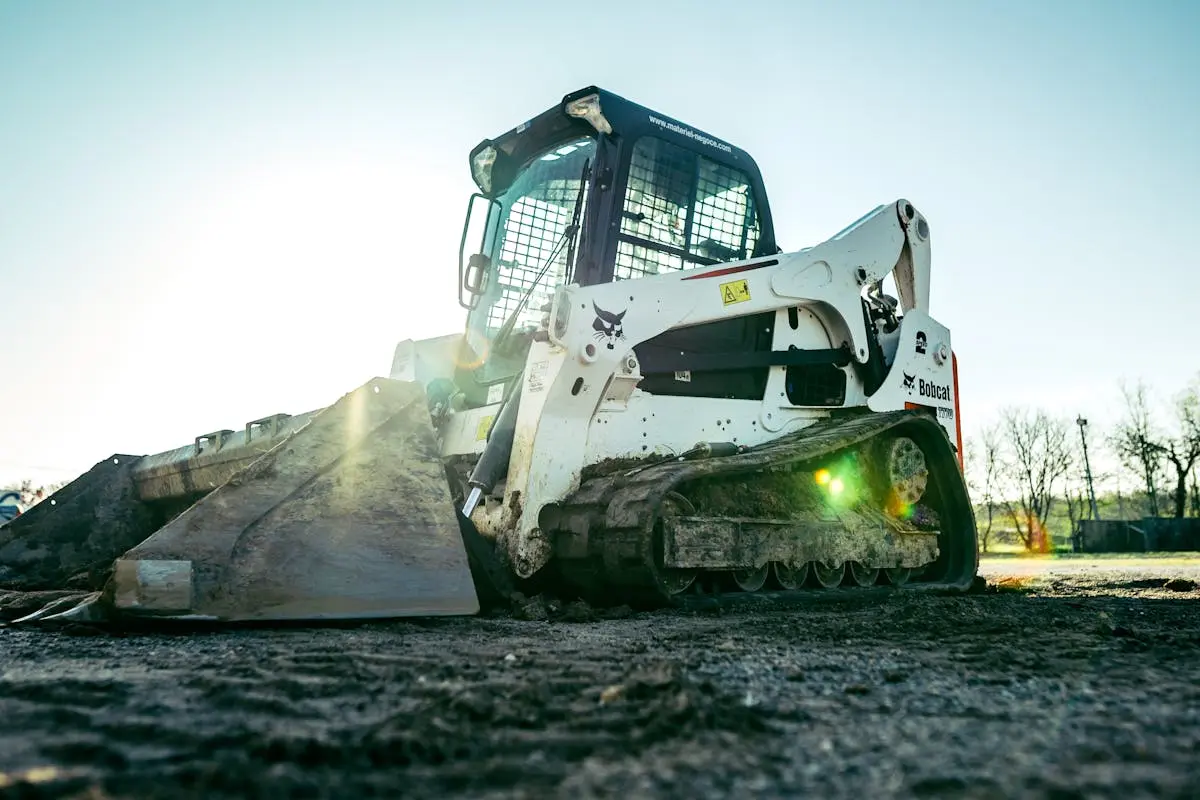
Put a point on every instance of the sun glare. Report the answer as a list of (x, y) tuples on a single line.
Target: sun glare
[(282, 287)]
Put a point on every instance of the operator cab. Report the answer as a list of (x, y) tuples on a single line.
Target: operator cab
[(550, 192)]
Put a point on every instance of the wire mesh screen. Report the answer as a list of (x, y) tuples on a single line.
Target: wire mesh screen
[(722, 226), (682, 209), (658, 193), (532, 230), (636, 260)]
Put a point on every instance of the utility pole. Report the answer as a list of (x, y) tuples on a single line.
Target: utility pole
[(1082, 423)]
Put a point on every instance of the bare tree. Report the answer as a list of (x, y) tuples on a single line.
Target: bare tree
[(1143, 446), (983, 455), (1137, 442), (1077, 504), (1183, 449), (1039, 456), (1195, 495)]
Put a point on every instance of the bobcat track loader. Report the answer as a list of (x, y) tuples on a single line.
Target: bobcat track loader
[(649, 399)]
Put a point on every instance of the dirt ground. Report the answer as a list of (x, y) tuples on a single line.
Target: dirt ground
[(1064, 679)]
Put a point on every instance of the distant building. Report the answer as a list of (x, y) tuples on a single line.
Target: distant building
[(1147, 535)]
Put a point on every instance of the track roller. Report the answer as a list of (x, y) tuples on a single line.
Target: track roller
[(790, 577), (751, 580), (863, 575), (828, 576)]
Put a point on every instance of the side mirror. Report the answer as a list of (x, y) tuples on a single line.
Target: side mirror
[(472, 276)]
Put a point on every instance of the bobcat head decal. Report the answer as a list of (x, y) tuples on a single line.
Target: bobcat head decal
[(909, 380), (607, 326)]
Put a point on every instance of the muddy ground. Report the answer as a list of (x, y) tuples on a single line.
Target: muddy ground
[(1080, 681)]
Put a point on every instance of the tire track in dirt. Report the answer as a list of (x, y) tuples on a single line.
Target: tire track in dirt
[(1066, 690)]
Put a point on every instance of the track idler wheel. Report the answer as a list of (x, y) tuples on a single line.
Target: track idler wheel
[(671, 581), (898, 576), (902, 472)]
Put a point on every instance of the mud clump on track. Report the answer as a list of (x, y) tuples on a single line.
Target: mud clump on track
[(1083, 686)]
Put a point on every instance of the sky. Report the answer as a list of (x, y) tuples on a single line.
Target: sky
[(212, 212)]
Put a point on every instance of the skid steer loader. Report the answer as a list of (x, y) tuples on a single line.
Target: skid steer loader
[(649, 399)]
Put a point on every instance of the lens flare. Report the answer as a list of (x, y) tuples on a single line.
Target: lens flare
[(897, 507), (823, 477), (472, 352), (836, 486)]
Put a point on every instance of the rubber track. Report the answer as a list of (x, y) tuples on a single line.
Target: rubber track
[(621, 508)]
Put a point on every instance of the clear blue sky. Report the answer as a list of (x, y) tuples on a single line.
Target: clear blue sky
[(214, 211)]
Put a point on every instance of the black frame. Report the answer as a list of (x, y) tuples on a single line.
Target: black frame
[(597, 247)]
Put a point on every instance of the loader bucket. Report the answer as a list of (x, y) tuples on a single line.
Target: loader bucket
[(348, 517)]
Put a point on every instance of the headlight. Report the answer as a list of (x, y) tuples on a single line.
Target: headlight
[(589, 108), (561, 315), (481, 168)]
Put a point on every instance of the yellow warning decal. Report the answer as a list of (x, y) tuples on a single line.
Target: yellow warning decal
[(735, 292), (485, 425)]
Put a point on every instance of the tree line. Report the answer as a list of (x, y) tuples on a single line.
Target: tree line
[(1030, 461)]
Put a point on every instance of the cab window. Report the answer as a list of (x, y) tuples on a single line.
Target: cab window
[(682, 210)]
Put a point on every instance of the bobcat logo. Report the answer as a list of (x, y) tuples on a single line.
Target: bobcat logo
[(908, 381), (607, 326)]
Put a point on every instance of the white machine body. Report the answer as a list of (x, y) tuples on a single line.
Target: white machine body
[(581, 404)]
